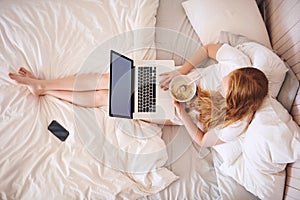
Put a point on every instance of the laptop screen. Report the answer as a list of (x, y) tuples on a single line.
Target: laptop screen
[(121, 86)]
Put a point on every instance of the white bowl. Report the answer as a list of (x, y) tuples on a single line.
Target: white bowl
[(180, 90)]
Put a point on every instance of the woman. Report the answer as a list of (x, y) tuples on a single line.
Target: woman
[(221, 118), (224, 118), (226, 114)]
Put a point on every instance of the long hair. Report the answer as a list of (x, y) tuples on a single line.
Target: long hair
[(247, 88)]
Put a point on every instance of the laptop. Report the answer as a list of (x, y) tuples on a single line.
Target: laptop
[(134, 90)]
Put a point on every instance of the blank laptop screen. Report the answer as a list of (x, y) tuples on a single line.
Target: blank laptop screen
[(121, 79)]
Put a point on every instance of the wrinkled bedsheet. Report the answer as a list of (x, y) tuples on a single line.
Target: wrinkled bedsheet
[(102, 157)]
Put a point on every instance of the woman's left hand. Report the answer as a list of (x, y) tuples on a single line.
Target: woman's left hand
[(180, 108)]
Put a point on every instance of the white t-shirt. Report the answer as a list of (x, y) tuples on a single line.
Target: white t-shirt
[(226, 134), (229, 59), (230, 132)]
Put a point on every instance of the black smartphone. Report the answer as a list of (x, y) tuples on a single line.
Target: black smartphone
[(58, 130)]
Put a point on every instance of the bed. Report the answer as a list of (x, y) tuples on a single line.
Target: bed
[(111, 158)]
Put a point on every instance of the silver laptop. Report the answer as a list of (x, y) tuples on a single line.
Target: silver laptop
[(134, 90)]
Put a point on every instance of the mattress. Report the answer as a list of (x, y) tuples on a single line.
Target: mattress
[(55, 39), (103, 157)]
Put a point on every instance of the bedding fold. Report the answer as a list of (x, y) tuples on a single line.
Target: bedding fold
[(55, 39)]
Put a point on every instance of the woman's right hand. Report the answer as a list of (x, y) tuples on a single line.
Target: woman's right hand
[(167, 77)]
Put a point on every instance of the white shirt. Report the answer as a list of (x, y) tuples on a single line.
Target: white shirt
[(230, 132), (229, 59)]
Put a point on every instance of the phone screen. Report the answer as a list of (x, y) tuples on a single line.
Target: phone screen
[(58, 130)]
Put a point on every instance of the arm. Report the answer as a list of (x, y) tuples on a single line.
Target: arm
[(200, 55), (203, 139), (209, 50)]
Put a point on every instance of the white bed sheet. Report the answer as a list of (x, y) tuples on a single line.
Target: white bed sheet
[(193, 165), (59, 38), (54, 39)]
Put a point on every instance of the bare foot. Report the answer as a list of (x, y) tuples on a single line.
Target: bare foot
[(32, 84), (24, 72)]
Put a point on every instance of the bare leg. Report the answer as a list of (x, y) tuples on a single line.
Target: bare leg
[(86, 99), (87, 90), (85, 82)]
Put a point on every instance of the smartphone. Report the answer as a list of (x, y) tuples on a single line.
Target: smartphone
[(58, 130)]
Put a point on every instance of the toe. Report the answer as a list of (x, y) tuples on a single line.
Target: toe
[(11, 75), (21, 72)]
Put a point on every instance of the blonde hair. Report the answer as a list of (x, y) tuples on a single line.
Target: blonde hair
[(247, 88)]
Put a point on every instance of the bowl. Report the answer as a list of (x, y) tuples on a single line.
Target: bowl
[(182, 89)]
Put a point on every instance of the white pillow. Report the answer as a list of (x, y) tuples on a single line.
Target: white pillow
[(268, 62), (271, 141), (210, 17), (275, 133)]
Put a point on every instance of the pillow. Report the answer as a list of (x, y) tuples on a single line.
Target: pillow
[(271, 141), (268, 62), (233, 39), (275, 133), (210, 17)]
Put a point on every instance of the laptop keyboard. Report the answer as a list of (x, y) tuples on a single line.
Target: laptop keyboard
[(146, 89)]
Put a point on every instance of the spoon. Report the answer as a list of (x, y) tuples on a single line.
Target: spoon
[(183, 87)]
